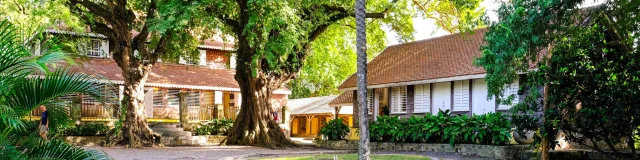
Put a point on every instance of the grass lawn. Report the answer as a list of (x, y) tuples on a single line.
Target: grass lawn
[(355, 156)]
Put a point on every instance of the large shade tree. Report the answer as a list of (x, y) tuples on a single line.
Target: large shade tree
[(273, 41), (139, 32), (581, 67)]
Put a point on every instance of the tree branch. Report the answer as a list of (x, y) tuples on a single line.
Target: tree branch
[(144, 33), (93, 8)]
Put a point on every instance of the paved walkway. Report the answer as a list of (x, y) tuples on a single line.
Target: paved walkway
[(240, 152)]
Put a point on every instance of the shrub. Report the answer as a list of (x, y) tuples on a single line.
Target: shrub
[(492, 128), (86, 129), (214, 127), (335, 129)]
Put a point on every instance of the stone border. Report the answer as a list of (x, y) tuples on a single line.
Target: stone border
[(204, 140), (490, 151), (84, 140)]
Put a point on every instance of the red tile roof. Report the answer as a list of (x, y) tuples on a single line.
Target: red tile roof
[(169, 75), (345, 97), (164, 74), (440, 57)]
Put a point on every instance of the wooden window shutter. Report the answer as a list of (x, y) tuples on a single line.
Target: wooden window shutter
[(172, 97), (399, 99), (157, 96), (370, 101), (422, 100), (208, 98), (193, 99), (461, 95), (509, 90)]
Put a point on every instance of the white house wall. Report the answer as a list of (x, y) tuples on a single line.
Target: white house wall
[(470, 96)]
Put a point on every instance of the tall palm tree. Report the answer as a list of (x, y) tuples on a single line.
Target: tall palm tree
[(361, 50), (26, 82)]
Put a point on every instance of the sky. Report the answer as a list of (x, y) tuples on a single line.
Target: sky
[(426, 29)]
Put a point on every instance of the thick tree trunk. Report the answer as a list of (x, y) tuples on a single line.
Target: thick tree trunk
[(254, 124), (135, 132)]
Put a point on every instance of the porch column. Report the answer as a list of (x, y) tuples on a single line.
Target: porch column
[(337, 108), (356, 111), (284, 114), (218, 106), (308, 128), (184, 113), (148, 102), (376, 104)]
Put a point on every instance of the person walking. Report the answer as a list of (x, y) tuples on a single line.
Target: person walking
[(44, 122)]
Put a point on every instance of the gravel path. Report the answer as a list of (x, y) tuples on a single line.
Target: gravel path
[(243, 152)]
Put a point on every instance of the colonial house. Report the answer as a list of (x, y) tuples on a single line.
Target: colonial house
[(426, 76), (212, 90), (309, 115)]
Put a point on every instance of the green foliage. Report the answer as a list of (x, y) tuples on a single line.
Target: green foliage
[(587, 57), (86, 129), (214, 127), (488, 129), (20, 94), (332, 57), (335, 129)]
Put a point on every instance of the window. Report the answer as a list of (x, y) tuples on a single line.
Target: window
[(158, 96), (207, 99), (194, 98), (461, 95), (509, 90), (399, 99), (422, 98), (93, 48), (172, 97)]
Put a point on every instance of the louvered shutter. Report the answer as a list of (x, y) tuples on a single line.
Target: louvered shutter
[(193, 99), (399, 99), (461, 95), (172, 97), (158, 96), (422, 100), (207, 99), (370, 101), (69, 98), (509, 90)]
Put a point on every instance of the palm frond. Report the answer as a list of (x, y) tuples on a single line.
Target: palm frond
[(9, 118), (36, 148), (12, 54)]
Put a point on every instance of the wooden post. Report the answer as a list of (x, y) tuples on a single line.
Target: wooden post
[(376, 104), (183, 109), (356, 110), (338, 108)]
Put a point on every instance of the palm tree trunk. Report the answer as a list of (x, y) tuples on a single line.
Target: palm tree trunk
[(361, 47)]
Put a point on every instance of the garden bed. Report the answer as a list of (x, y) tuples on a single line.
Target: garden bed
[(490, 151)]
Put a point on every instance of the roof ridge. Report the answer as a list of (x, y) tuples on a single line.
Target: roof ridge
[(438, 37)]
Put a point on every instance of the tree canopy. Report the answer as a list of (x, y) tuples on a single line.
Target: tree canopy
[(332, 55), (585, 58)]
